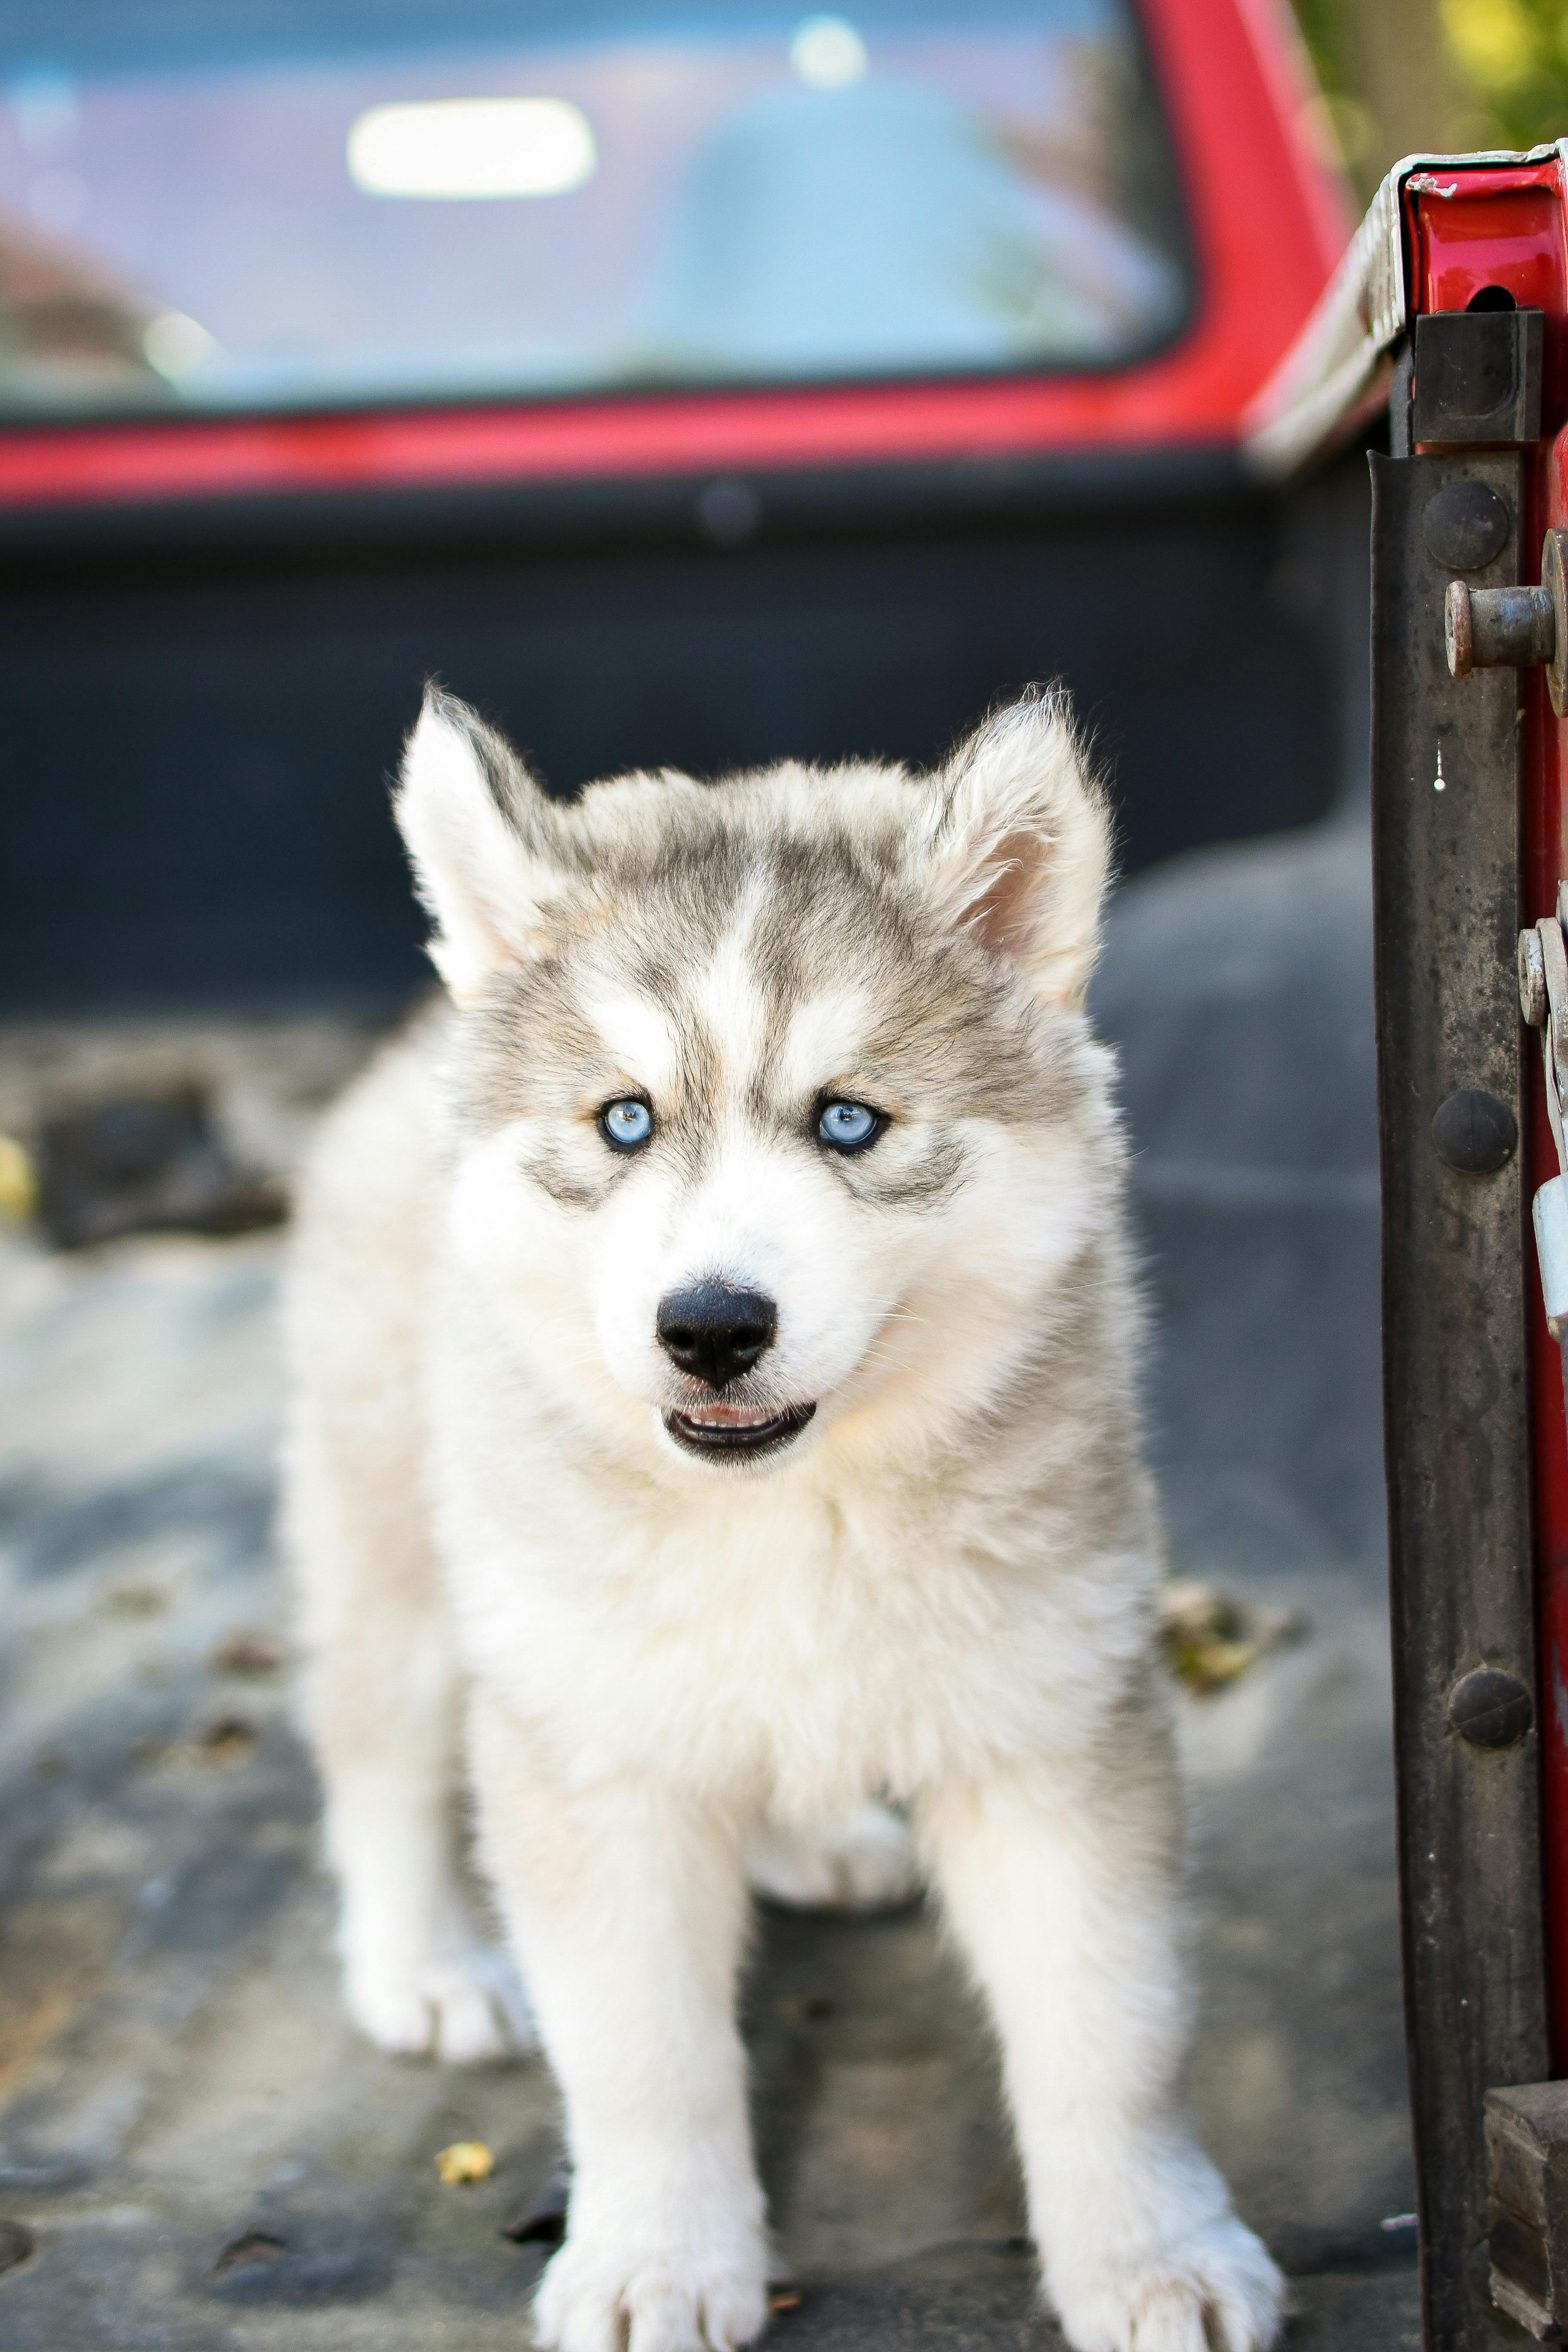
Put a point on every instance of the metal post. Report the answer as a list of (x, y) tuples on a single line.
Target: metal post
[(1446, 846)]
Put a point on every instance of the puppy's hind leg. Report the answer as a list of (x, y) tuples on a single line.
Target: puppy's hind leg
[(380, 1703), (379, 1673)]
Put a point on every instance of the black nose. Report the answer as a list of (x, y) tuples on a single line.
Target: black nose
[(716, 1333)]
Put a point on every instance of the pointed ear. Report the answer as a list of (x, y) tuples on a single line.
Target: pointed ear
[(488, 849), (1017, 845)]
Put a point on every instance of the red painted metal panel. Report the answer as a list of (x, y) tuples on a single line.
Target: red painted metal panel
[(1508, 227), (1269, 223)]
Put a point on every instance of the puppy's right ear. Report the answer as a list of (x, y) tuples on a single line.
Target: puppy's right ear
[(488, 849)]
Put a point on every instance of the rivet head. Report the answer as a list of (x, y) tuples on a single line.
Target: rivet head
[(1466, 527), (1491, 1708), (1475, 1132)]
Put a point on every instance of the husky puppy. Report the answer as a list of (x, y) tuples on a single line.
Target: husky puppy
[(713, 1351)]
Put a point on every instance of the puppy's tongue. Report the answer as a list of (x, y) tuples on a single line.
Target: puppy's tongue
[(724, 1416)]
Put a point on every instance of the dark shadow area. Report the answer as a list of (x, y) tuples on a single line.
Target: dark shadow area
[(198, 742)]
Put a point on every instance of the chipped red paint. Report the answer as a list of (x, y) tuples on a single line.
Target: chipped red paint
[(1269, 222)]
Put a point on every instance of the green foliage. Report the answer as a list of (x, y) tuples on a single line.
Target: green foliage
[(1511, 56), (1323, 34), (1505, 63), (1340, 122)]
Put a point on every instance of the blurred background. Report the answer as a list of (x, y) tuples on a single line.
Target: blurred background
[(691, 384), (1403, 76)]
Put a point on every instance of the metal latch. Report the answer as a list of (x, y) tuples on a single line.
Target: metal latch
[(1513, 628), (1527, 2164), (1478, 377), (1543, 1001)]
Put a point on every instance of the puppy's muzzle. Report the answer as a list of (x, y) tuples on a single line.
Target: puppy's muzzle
[(716, 1333)]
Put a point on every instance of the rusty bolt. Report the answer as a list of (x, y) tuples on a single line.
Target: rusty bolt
[(1497, 628)]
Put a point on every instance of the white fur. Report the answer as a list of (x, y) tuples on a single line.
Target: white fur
[(487, 889), (673, 1672)]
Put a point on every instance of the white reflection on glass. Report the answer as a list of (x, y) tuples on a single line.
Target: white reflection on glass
[(828, 52), (472, 147), (174, 344)]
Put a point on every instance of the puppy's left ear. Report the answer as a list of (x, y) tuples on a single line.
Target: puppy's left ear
[(1017, 845), (491, 855)]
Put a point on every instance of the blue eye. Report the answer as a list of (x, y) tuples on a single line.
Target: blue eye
[(626, 1124), (849, 1126)]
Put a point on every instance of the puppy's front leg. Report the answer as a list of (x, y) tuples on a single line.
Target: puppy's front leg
[(1062, 1884), (630, 1911)]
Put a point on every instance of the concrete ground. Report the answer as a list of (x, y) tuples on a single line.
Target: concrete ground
[(176, 2077)]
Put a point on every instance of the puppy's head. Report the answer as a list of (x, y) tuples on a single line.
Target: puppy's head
[(778, 1118)]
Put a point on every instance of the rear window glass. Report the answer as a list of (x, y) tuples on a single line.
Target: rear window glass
[(217, 205)]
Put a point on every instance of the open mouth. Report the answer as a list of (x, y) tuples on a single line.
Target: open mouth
[(725, 1431)]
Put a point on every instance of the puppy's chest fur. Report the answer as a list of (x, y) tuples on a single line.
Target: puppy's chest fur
[(795, 1643)]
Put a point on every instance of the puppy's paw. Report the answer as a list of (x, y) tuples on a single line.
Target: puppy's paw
[(596, 2296), (1218, 2290), (865, 1863), (466, 2009)]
